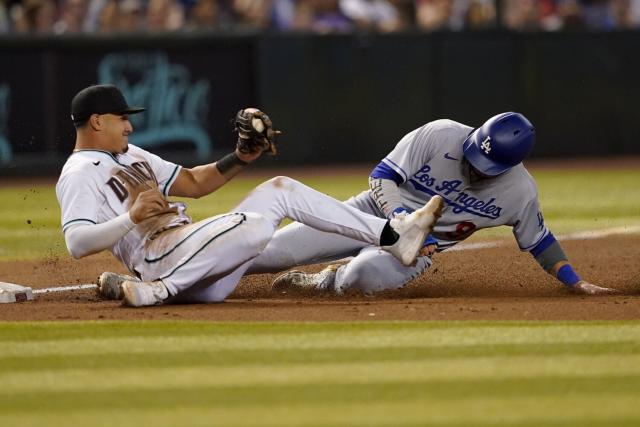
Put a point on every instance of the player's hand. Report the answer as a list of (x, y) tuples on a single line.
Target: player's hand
[(428, 250), (248, 157), (148, 204), (586, 288), (256, 134), (430, 246)]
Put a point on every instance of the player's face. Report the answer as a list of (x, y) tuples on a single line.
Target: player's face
[(117, 130), (474, 174)]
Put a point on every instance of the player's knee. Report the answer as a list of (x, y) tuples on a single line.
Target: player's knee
[(281, 183), (370, 277), (361, 277)]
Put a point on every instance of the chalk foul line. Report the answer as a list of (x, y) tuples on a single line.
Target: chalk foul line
[(582, 235), (65, 288)]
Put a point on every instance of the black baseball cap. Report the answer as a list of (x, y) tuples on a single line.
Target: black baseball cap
[(100, 99)]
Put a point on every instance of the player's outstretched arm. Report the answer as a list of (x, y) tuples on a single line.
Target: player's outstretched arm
[(256, 135), (205, 179), (564, 272), (554, 261)]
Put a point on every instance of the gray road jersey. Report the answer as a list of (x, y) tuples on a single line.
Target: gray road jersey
[(429, 160)]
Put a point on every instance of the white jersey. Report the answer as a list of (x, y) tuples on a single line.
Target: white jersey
[(96, 186), (429, 160)]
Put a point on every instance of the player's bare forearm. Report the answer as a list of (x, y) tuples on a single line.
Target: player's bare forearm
[(198, 181), (205, 179)]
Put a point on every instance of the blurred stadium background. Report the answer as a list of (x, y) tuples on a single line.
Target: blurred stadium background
[(344, 78)]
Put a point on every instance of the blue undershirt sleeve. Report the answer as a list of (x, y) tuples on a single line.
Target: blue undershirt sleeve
[(383, 171)]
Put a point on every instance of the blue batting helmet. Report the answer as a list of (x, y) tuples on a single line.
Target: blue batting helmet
[(500, 143)]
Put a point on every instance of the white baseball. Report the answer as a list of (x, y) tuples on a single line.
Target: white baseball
[(257, 124)]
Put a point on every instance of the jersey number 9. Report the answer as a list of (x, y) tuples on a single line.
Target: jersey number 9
[(463, 230)]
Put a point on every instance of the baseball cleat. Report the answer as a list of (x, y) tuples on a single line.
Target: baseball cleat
[(143, 294), (413, 230), (296, 280), (110, 285)]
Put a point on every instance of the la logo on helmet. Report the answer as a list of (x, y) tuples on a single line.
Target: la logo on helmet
[(486, 145)]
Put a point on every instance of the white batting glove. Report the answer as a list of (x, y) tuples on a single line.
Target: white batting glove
[(586, 288)]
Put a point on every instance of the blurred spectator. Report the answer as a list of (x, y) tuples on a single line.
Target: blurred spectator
[(204, 15), (72, 17), (378, 15), (253, 13), (91, 22), (4, 17), (109, 16), (321, 16), (634, 13), (164, 15), (406, 12), (597, 14), (570, 14), (480, 14), (549, 18), (622, 14), (33, 16), (521, 15), (283, 14), (128, 16), (434, 15)]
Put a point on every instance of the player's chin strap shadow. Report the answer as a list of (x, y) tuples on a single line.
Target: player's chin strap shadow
[(474, 174)]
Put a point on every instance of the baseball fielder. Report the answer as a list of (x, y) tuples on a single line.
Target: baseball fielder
[(477, 172), (113, 195)]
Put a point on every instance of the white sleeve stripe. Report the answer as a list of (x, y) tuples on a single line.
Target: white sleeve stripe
[(73, 221), (171, 180), (395, 167)]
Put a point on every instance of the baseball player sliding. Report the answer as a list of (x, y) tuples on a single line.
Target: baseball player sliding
[(479, 175), (113, 195)]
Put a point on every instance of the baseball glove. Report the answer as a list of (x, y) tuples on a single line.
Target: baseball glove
[(255, 132)]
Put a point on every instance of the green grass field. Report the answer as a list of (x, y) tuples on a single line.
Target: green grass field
[(290, 374), (382, 373), (572, 200)]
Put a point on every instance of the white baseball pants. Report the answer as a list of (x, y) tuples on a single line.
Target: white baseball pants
[(203, 262), (371, 270)]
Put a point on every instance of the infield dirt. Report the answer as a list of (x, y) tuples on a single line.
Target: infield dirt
[(499, 283)]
